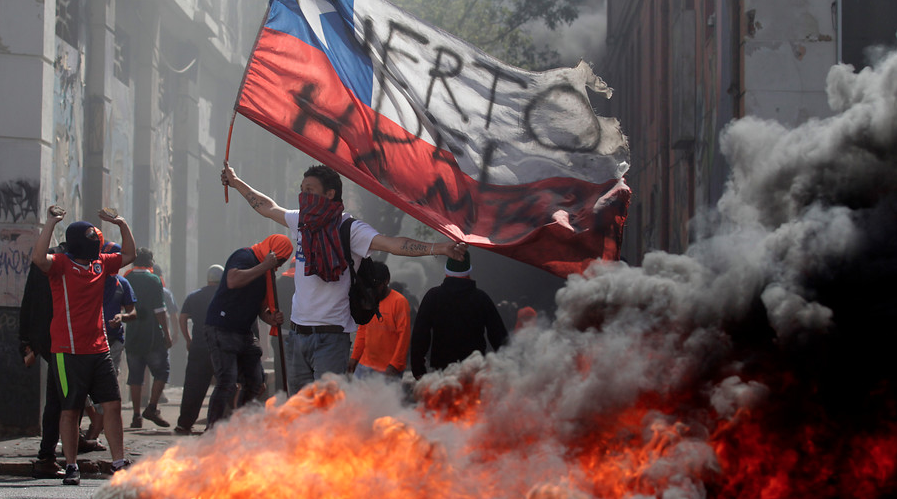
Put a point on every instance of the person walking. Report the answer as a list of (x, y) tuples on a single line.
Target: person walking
[(81, 365), (199, 371), (381, 346), (321, 322), (452, 320), (246, 291), (147, 340), (177, 356)]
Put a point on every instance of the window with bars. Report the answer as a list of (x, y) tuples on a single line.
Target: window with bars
[(68, 16)]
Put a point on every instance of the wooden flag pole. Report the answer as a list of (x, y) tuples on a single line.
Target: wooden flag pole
[(230, 132), (283, 364)]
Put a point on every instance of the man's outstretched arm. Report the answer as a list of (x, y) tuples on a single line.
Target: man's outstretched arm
[(259, 202), (403, 246)]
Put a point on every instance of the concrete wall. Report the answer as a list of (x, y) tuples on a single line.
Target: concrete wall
[(27, 56), (681, 71), (77, 131), (788, 50)]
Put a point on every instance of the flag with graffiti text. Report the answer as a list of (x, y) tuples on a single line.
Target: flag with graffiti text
[(509, 160)]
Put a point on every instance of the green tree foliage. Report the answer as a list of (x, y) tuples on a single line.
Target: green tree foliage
[(498, 27)]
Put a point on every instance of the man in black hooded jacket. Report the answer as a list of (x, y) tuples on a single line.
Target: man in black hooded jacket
[(452, 320), (35, 314)]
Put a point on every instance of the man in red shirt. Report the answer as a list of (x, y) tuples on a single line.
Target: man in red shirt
[(80, 360)]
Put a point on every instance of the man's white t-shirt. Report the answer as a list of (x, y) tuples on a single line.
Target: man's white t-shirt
[(319, 303)]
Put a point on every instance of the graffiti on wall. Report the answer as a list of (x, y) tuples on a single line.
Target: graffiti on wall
[(16, 243), (19, 200), (119, 155), (68, 119)]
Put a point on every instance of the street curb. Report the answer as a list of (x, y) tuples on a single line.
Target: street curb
[(90, 468), (16, 468)]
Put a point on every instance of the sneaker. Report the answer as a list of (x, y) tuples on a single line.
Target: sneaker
[(47, 468), (180, 430), (137, 422), (155, 416), (116, 469), (72, 476)]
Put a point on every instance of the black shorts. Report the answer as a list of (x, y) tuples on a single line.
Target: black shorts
[(77, 376)]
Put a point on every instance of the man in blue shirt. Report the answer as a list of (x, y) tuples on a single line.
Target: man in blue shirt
[(246, 291), (117, 295)]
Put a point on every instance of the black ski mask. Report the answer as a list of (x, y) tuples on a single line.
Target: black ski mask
[(79, 245)]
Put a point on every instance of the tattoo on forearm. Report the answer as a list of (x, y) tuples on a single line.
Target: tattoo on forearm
[(254, 201), (415, 248)]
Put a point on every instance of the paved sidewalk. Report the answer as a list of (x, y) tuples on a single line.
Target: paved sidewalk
[(18, 454)]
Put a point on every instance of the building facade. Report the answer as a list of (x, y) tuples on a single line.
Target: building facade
[(126, 104), (683, 69)]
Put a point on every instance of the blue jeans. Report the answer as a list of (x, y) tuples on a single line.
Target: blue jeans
[(234, 354), (309, 356)]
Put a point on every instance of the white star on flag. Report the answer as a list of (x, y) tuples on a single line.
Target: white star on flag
[(313, 10)]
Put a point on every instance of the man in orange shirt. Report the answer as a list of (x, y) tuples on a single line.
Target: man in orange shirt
[(381, 346)]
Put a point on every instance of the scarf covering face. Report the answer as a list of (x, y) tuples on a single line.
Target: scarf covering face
[(80, 246), (283, 248), (319, 220)]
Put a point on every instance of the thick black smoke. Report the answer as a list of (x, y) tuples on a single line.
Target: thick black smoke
[(799, 258)]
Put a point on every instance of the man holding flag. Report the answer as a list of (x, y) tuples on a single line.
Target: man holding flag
[(321, 320), (512, 161)]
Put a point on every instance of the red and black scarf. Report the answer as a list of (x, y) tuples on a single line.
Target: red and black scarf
[(319, 221)]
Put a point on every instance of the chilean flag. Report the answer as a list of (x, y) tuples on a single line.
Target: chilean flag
[(509, 160)]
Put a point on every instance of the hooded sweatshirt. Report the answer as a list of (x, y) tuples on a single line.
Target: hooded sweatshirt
[(451, 323)]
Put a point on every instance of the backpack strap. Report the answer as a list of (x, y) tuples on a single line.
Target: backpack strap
[(344, 232)]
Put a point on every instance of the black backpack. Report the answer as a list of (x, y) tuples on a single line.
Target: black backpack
[(364, 301)]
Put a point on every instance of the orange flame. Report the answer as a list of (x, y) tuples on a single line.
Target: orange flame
[(813, 460), (322, 443), (388, 459)]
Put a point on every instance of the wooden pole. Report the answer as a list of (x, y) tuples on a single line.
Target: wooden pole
[(283, 364), (230, 132)]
